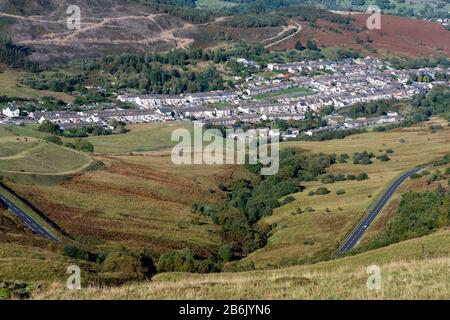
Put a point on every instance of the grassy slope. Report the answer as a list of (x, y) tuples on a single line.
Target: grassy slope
[(10, 87), (40, 157), (142, 137), (215, 4), (417, 185), (417, 5), (317, 234), (138, 200), (414, 269)]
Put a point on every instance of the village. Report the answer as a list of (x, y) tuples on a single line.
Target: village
[(277, 92)]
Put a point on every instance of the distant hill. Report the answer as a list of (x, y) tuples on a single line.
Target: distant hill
[(118, 26), (424, 9), (398, 35)]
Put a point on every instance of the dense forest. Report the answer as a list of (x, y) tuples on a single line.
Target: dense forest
[(15, 56), (156, 73)]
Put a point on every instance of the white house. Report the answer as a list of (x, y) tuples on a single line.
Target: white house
[(11, 112)]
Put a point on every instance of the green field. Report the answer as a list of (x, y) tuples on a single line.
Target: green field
[(141, 138), (291, 92), (21, 131), (28, 155), (215, 4)]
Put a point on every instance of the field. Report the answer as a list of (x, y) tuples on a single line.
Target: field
[(28, 155), (215, 4), (311, 236), (140, 138), (291, 92), (414, 269), (11, 88)]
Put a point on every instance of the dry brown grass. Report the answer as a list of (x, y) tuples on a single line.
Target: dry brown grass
[(316, 235), (407, 271), (136, 201)]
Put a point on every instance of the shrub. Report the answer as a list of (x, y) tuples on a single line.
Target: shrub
[(287, 200), (389, 150), (351, 177), (322, 191), (340, 192), (328, 179), (311, 193), (48, 126), (383, 158), (362, 176), (81, 254), (130, 265), (362, 157), (365, 161), (84, 145), (309, 209), (54, 139), (416, 176), (226, 252), (69, 145), (447, 171), (339, 177)]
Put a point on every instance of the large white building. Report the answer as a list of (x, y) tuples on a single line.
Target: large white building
[(11, 112)]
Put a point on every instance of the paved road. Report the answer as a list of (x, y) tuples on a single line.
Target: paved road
[(358, 232), (27, 219)]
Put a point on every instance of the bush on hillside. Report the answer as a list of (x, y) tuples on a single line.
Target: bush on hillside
[(54, 139)]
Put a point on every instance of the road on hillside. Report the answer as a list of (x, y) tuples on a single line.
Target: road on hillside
[(27, 219), (299, 29), (359, 231)]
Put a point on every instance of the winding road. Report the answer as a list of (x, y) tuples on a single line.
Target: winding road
[(27, 219), (356, 235), (298, 27)]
